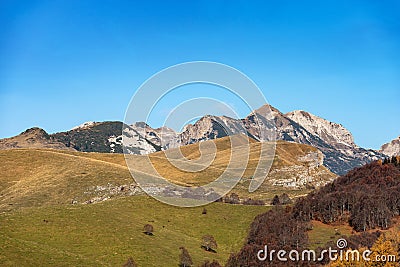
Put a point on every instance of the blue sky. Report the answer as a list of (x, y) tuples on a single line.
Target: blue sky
[(66, 62)]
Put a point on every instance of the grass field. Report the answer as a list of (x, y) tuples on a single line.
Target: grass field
[(107, 233), (323, 233), (43, 223), (36, 177)]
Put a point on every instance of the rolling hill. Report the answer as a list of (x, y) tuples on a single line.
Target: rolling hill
[(70, 208), (32, 138), (35, 177)]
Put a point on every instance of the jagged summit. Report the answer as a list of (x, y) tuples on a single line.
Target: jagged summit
[(332, 133), (160, 136), (392, 148)]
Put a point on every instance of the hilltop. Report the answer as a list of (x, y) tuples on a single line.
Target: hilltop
[(33, 138)]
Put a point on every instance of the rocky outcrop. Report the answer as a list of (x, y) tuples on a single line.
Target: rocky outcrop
[(306, 171), (135, 143), (161, 136), (392, 148)]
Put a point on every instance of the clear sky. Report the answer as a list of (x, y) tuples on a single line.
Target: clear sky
[(66, 62)]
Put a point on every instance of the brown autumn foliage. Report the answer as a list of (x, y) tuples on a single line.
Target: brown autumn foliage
[(276, 228), (367, 197)]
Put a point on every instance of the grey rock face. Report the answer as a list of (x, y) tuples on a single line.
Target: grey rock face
[(392, 148)]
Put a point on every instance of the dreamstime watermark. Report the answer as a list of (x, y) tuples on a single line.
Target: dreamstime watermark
[(145, 100), (341, 253)]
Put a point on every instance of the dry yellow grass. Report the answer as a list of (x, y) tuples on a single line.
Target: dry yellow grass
[(33, 177), (287, 154)]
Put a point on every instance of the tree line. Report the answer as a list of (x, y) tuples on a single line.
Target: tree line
[(367, 197)]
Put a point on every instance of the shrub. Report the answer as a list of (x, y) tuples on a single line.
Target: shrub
[(209, 243), (148, 229)]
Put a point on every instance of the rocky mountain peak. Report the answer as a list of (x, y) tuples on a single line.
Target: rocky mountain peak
[(330, 132), (266, 110), (392, 148)]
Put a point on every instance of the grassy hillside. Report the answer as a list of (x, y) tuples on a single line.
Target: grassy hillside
[(287, 165), (107, 233), (44, 223), (33, 177), (322, 233)]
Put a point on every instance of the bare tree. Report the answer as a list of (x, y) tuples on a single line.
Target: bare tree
[(148, 229), (130, 263), (184, 259), (209, 243)]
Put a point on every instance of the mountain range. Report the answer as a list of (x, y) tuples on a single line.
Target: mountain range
[(336, 143)]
